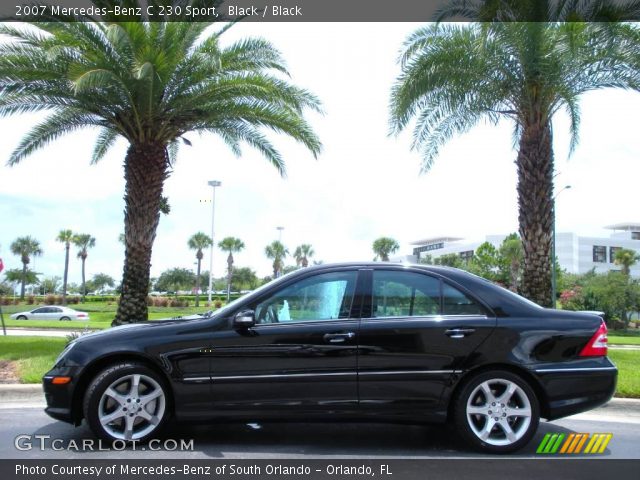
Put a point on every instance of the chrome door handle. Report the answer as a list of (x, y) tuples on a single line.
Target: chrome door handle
[(338, 337), (459, 332)]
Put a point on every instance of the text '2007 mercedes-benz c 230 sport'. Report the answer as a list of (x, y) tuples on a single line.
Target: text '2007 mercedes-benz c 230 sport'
[(357, 341)]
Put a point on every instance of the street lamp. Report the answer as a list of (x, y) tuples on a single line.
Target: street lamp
[(214, 184), (280, 229), (553, 248)]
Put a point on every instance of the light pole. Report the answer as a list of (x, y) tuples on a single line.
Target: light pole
[(553, 248), (280, 229), (214, 184)]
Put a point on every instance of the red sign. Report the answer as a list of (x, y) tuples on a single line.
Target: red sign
[(1, 265)]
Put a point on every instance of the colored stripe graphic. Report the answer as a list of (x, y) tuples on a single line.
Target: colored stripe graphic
[(572, 444)]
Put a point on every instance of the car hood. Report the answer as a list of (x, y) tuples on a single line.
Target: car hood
[(139, 327)]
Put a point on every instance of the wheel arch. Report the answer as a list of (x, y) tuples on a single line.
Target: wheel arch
[(526, 375), (91, 370)]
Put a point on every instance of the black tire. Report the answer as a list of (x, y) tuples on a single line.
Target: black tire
[(65, 319), (523, 431), (93, 400), (21, 317)]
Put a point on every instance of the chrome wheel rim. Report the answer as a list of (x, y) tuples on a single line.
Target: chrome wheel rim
[(499, 412), (132, 407)]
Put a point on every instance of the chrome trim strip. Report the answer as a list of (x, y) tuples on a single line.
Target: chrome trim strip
[(196, 379), (585, 369), (332, 374), (404, 372)]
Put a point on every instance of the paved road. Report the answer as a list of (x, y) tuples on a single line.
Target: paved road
[(271, 441)]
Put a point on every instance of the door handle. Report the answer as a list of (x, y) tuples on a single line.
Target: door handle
[(459, 332), (338, 337)]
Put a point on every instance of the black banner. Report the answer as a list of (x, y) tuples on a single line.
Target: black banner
[(477, 469), (311, 10)]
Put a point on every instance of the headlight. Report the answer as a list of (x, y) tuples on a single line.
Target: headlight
[(66, 350)]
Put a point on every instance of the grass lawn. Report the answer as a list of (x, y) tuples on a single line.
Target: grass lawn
[(32, 356), (101, 315), (618, 340)]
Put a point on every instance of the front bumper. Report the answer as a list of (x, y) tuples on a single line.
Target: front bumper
[(59, 398), (575, 389)]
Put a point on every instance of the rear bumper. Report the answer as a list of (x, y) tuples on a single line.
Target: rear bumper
[(572, 389)]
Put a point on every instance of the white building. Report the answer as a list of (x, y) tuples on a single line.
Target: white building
[(576, 253)]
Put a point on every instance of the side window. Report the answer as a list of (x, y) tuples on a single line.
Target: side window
[(454, 302), (40, 310), (326, 296), (55, 310), (405, 294)]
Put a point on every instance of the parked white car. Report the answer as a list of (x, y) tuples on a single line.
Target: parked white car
[(52, 312)]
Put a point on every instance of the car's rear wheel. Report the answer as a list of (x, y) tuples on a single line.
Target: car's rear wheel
[(128, 401), (496, 412), (21, 317), (64, 319)]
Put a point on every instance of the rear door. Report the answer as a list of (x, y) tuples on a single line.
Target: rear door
[(418, 331)]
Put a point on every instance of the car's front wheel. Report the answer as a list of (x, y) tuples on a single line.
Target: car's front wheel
[(128, 401), (21, 317), (496, 412)]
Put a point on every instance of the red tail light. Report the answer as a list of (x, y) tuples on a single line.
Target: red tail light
[(82, 315), (597, 345)]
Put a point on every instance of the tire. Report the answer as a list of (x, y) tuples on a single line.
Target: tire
[(113, 409), (510, 400), (64, 319), (21, 317)]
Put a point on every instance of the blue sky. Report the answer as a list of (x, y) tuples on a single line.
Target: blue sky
[(364, 185)]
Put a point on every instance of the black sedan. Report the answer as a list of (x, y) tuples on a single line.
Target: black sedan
[(366, 342)]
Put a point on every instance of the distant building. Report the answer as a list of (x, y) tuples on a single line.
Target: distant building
[(576, 253)]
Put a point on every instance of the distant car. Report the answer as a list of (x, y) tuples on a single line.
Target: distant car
[(356, 341), (52, 312)]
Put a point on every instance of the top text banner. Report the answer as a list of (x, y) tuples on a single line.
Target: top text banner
[(314, 10)]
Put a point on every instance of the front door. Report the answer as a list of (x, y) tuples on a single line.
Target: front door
[(301, 355), (418, 331)]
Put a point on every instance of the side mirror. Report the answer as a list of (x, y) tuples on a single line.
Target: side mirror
[(244, 319)]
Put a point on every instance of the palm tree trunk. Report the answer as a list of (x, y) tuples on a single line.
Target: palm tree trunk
[(84, 283), (229, 275), (198, 282), (66, 273), (145, 170), (535, 205), (24, 279)]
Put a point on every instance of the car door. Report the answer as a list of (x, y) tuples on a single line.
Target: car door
[(299, 357), (416, 331), (54, 313)]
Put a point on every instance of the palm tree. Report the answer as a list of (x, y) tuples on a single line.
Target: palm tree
[(198, 242), (455, 76), (302, 254), (231, 245), (277, 252), (149, 83), (626, 258), (84, 242), (384, 246), (65, 237), (25, 248)]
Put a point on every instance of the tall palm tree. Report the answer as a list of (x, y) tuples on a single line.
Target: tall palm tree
[(384, 246), (455, 76), (231, 245), (65, 237), (198, 242), (84, 242), (302, 254), (149, 83), (25, 248), (626, 258), (277, 252)]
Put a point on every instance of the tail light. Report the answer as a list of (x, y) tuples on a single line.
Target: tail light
[(82, 315), (597, 344)]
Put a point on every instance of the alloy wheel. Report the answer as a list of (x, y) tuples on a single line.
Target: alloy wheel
[(132, 407)]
